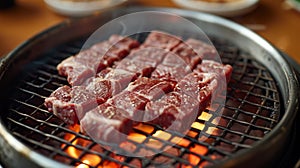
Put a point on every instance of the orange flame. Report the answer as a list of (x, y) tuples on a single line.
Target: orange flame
[(197, 149), (87, 159), (94, 160)]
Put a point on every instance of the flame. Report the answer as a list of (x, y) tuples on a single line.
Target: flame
[(87, 159), (136, 137), (162, 135), (94, 160), (71, 150), (83, 165), (198, 149), (192, 134), (194, 159), (205, 116), (145, 128)]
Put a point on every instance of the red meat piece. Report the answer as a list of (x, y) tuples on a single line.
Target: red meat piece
[(208, 66), (138, 67), (175, 111), (150, 54), (66, 103), (123, 42), (200, 86), (132, 102), (208, 51), (187, 54), (150, 88), (76, 73), (170, 73), (87, 63), (107, 123), (162, 40), (82, 98)]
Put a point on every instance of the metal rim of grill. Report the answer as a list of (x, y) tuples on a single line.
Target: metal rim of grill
[(252, 119)]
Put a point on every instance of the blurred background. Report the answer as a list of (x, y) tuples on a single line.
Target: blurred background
[(278, 21)]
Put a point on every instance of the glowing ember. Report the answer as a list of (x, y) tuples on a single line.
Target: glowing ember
[(193, 158), (192, 134), (180, 141), (162, 135), (152, 143), (145, 128), (197, 125), (91, 159), (83, 165), (136, 137), (87, 159), (198, 149), (213, 131), (204, 116)]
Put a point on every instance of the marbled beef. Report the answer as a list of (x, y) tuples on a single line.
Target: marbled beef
[(87, 63), (165, 81)]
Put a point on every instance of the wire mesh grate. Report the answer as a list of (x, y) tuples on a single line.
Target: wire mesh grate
[(251, 111)]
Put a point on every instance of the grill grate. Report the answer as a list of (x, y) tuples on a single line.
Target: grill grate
[(251, 111)]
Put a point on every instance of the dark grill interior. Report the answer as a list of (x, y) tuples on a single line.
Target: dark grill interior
[(251, 111)]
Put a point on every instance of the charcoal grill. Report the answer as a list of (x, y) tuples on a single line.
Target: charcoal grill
[(261, 105)]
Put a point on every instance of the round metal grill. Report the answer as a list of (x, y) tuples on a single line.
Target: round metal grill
[(251, 111)]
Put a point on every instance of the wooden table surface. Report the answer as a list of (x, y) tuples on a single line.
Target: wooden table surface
[(273, 20)]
